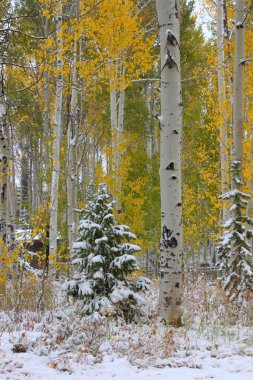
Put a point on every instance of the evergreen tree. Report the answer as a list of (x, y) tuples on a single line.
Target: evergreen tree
[(234, 251), (103, 258)]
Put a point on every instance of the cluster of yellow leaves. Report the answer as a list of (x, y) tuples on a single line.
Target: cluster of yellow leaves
[(117, 44), (201, 161), (7, 261)]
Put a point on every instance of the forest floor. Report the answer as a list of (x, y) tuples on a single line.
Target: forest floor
[(216, 342)]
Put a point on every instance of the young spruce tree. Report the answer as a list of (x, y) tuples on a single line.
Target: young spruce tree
[(234, 250), (103, 259)]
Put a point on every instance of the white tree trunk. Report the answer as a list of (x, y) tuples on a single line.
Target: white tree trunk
[(93, 160), (222, 106), (36, 195), (115, 140), (121, 112), (171, 259), (7, 211), (156, 130), (11, 195), (114, 123), (238, 100), (72, 158), (117, 107), (10, 216), (3, 158), (148, 128), (46, 118), (56, 137)]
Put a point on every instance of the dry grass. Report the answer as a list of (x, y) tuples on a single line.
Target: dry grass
[(11, 298)]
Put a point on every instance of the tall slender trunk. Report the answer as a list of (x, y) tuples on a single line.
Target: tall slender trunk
[(93, 160), (11, 196), (114, 123), (117, 107), (72, 157), (24, 182), (238, 100), (156, 129), (148, 125), (171, 260), (7, 228), (115, 140), (56, 136), (36, 195), (121, 112), (46, 118), (224, 164), (3, 157)]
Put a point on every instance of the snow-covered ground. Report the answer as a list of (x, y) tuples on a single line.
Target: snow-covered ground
[(216, 342)]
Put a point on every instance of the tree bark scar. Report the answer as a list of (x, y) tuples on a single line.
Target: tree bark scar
[(167, 240), (170, 166)]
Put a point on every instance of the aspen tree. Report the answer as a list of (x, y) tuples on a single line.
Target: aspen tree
[(238, 99), (117, 106), (148, 92), (222, 107), (4, 158), (171, 260), (56, 134), (72, 148), (7, 209)]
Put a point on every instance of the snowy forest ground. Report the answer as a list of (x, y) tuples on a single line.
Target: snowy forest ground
[(216, 342)]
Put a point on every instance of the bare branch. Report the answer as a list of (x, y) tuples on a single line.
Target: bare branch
[(243, 61)]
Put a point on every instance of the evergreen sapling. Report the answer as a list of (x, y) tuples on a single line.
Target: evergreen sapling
[(103, 259), (235, 246)]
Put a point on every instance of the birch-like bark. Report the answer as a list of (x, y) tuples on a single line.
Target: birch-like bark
[(11, 195), (72, 158), (36, 195), (148, 128), (115, 140), (238, 101), (46, 117), (3, 158), (114, 123), (93, 159), (117, 107), (224, 163), (156, 130), (171, 260), (7, 207), (56, 136), (121, 112), (6, 225)]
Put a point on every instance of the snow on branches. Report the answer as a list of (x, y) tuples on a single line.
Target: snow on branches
[(235, 245), (103, 260)]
